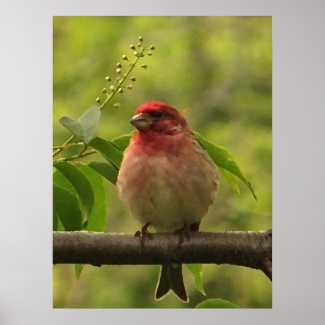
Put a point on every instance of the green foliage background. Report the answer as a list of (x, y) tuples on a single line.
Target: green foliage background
[(218, 69)]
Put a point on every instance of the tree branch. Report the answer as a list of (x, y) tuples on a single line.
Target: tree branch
[(250, 249)]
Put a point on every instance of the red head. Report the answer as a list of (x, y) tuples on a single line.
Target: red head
[(159, 117)]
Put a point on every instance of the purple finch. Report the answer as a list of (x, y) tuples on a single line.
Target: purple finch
[(166, 180)]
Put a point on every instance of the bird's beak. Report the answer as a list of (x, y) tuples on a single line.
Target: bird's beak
[(141, 121)]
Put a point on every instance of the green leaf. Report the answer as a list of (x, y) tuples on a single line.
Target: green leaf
[(215, 303), (108, 150), (60, 180), (71, 220), (104, 169), (231, 180), (97, 218), (66, 207), (72, 125), (78, 268), (85, 126), (80, 183), (60, 225), (55, 220), (123, 141), (223, 159), (196, 270)]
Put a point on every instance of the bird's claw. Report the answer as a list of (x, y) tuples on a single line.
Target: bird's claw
[(143, 233), (185, 231)]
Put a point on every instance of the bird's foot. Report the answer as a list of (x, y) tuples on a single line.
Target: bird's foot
[(186, 230), (143, 233)]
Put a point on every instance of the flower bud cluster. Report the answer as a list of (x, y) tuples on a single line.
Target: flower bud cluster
[(123, 72)]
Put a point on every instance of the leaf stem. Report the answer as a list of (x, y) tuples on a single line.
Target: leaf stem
[(63, 146), (79, 155), (68, 145)]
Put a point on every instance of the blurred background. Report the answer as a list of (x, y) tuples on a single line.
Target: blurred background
[(217, 69)]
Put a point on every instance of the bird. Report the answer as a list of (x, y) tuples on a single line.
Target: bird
[(166, 180)]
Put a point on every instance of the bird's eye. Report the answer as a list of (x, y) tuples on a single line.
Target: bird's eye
[(156, 114)]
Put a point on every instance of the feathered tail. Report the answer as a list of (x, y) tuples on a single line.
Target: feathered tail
[(171, 278)]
